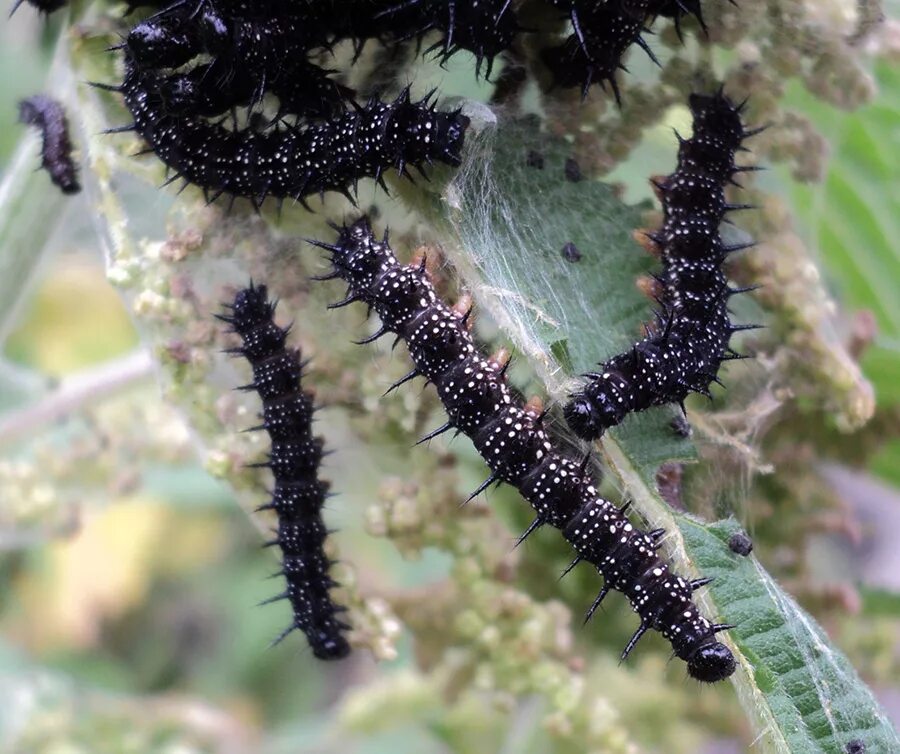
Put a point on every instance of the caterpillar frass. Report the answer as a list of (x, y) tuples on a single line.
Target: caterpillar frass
[(49, 117), (682, 353), (294, 459), (509, 434), (292, 161), (740, 544)]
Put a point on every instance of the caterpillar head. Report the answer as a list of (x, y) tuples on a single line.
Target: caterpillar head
[(712, 662), (590, 418)]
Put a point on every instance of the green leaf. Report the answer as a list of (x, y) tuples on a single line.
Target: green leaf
[(805, 692), (510, 221)]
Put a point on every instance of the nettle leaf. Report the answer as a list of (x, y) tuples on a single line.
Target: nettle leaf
[(509, 220), (805, 692)]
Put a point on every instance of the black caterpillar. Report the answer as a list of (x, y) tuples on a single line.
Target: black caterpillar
[(292, 161), (299, 494), (49, 117), (683, 352), (510, 436), (249, 50), (264, 35)]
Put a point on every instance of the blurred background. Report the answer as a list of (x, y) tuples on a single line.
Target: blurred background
[(129, 575)]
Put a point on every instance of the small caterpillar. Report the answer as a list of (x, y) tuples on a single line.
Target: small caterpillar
[(48, 116), (293, 161), (682, 354), (299, 494), (510, 436), (260, 39)]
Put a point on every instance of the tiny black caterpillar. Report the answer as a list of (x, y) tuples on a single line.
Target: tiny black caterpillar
[(509, 435), (682, 354), (48, 116), (294, 459)]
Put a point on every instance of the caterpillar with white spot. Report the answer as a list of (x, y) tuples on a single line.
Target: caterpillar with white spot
[(510, 435), (291, 162), (294, 459), (682, 353)]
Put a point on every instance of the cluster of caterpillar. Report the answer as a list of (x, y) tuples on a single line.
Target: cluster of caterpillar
[(683, 352), (511, 437), (194, 62), (335, 141), (299, 494)]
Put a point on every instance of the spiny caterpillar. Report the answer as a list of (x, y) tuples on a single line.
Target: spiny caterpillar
[(49, 117), (683, 352), (241, 52), (292, 161), (294, 459), (510, 436)]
